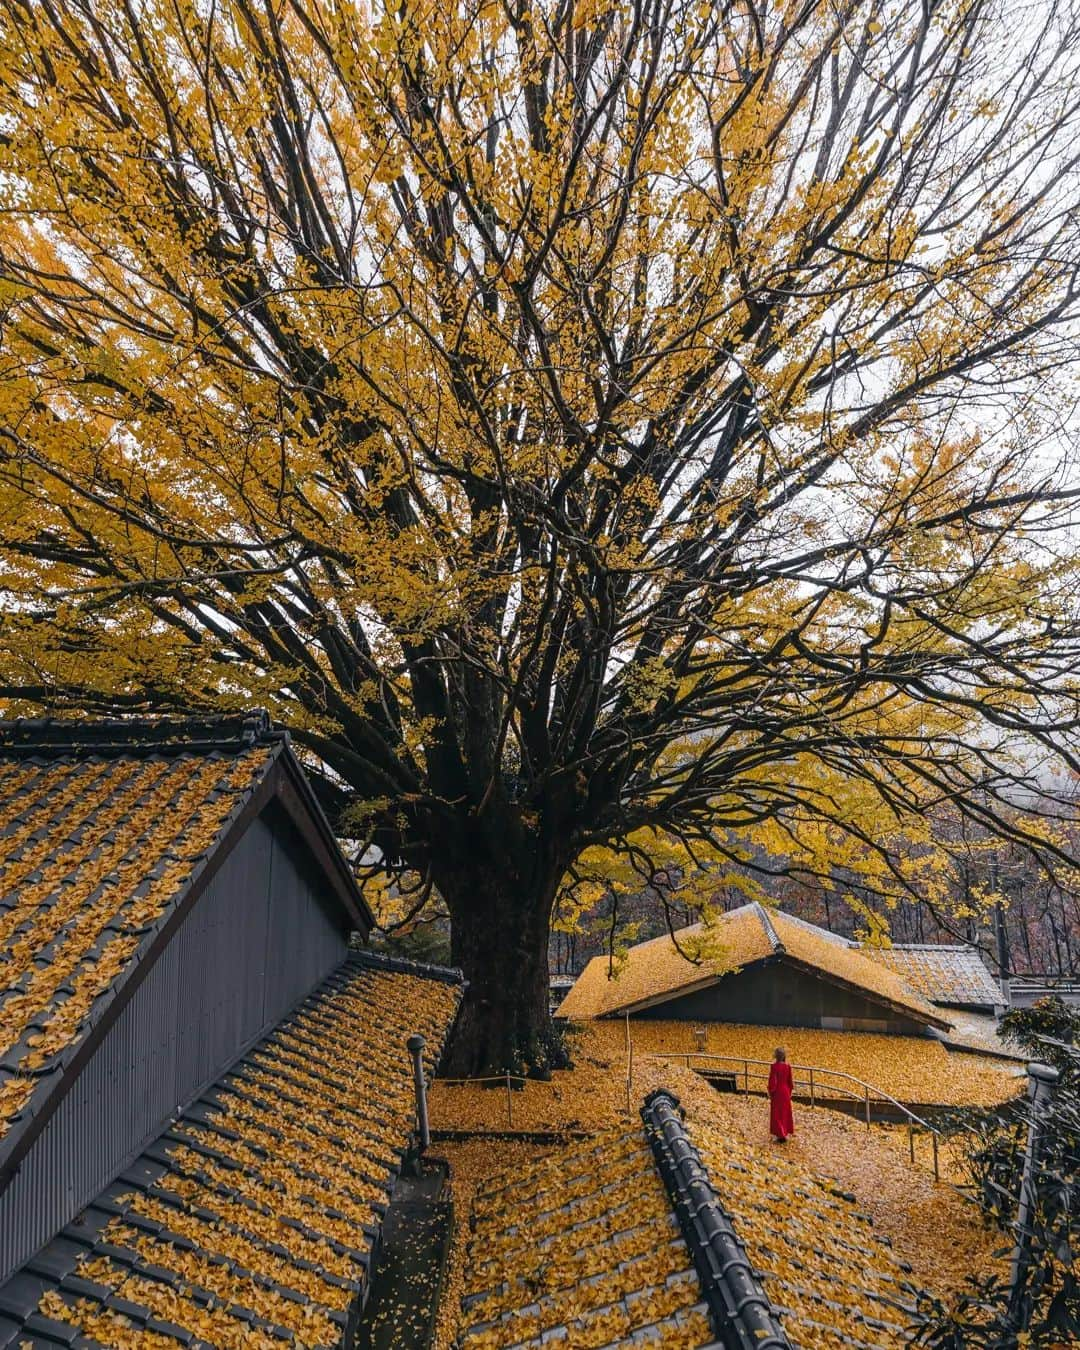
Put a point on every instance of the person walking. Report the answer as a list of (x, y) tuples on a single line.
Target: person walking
[(781, 1124)]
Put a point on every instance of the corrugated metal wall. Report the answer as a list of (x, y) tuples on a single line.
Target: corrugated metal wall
[(253, 945)]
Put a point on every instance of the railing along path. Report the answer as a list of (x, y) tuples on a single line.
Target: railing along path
[(816, 1080)]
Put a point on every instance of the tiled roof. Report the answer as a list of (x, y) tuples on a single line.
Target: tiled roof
[(815, 948), (587, 1242), (252, 1221), (943, 974), (916, 1070), (584, 1249), (835, 1283), (655, 971), (104, 829), (95, 847)]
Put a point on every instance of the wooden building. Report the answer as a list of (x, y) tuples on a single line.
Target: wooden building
[(205, 1096), (758, 966)]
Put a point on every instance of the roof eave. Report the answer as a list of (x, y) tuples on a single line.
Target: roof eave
[(298, 798), (907, 1010), (714, 977)]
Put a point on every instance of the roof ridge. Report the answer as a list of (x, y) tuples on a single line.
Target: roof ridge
[(66, 736), (770, 928), (740, 1310), (404, 965), (928, 947)]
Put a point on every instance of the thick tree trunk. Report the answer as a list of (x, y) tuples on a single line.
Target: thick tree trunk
[(500, 931)]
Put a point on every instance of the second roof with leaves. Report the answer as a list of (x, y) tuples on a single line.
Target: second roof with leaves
[(667, 967), (591, 1248)]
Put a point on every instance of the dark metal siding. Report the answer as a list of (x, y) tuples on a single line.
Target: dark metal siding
[(254, 944)]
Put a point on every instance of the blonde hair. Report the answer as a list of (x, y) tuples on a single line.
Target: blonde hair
[(780, 1053)]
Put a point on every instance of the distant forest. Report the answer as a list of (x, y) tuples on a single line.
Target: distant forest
[(1040, 913)]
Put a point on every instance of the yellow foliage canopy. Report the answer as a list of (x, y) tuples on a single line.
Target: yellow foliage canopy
[(580, 422)]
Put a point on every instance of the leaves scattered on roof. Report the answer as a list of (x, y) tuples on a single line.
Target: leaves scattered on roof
[(814, 947), (252, 1220), (663, 968), (92, 852), (584, 1243), (659, 967)]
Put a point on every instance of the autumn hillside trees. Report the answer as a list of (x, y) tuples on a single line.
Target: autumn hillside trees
[(581, 422)]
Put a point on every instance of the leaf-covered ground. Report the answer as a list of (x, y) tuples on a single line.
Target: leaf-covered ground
[(930, 1225), (590, 1095)]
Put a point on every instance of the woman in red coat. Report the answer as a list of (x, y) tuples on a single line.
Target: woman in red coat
[(781, 1124)]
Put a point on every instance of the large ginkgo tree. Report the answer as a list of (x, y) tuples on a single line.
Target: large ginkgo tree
[(588, 424)]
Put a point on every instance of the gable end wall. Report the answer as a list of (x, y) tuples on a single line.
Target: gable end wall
[(777, 994), (254, 944)]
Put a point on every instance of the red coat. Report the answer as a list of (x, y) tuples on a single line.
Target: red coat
[(780, 1085)]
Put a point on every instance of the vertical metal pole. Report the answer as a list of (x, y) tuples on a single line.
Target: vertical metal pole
[(509, 1101), (867, 1105), (937, 1173), (1042, 1081), (812, 1101), (911, 1141), (629, 1065), (415, 1045)]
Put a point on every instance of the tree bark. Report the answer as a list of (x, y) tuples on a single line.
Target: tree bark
[(500, 925)]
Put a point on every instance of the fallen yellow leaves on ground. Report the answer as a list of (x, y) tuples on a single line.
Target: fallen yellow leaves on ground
[(662, 967), (930, 1226), (916, 1070), (591, 1095)]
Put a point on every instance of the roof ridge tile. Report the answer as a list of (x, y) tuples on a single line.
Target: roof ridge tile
[(770, 928), (59, 738), (739, 1308), (404, 965)]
